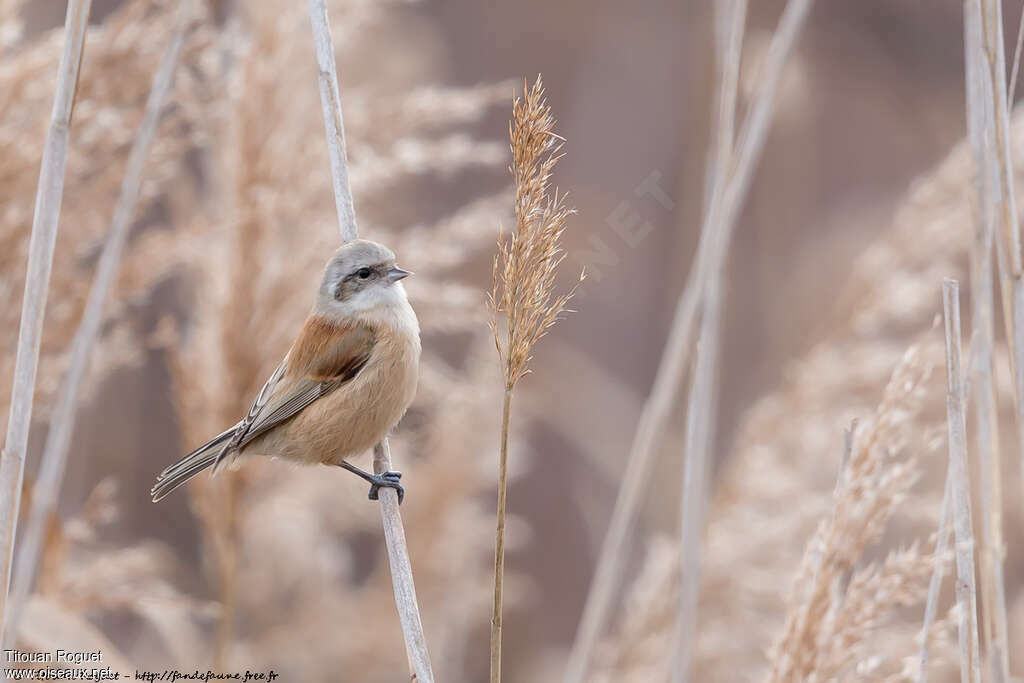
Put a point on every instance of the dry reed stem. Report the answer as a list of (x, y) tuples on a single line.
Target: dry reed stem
[(394, 533), (990, 178), (716, 234), (935, 584), (37, 282), (701, 411), (525, 267), (730, 21), (330, 103), (58, 439), (970, 665), (992, 42), (497, 605), (401, 576), (702, 405), (983, 24)]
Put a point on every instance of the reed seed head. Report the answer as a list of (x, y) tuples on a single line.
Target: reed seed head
[(527, 260)]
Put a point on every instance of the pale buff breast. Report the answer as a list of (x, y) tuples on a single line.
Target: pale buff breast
[(354, 417)]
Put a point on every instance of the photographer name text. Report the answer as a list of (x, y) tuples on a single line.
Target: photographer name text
[(72, 657)]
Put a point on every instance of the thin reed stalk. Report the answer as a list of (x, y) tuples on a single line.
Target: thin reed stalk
[(730, 21), (938, 571), (62, 422), (985, 411), (995, 59), (716, 234), (401, 573), (394, 531), (37, 282), (986, 104), (702, 410), (499, 541), (970, 665), (983, 34), (524, 282)]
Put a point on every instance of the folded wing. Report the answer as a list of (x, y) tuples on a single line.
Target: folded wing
[(324, 357)]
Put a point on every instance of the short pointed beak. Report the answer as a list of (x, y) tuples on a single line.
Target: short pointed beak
[(396, 274)]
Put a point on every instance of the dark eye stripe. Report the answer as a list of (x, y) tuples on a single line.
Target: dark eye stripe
[(370, 272)]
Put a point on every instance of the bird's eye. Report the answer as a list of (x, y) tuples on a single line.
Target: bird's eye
[(363, 273)]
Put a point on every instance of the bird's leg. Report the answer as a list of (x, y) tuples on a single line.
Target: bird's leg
[(389, 479)]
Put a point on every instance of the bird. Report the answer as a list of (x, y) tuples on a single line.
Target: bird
[(346, 381)]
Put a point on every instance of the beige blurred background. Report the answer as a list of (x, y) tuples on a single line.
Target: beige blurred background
[(872, 98)]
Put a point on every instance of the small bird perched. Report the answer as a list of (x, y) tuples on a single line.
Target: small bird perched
[(346, 381)]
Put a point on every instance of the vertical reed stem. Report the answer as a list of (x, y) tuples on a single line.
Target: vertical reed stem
[(932, 604), (499, 542), (37, 284), (401, 573), (966, 594), (58, 438), (992, 207), (394, 531), (702, 410)]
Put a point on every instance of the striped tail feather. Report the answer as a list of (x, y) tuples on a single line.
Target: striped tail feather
[(191, 465)]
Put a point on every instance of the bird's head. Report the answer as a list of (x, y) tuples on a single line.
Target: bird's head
[(361, 277)]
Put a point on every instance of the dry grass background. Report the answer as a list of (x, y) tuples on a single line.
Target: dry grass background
[(283, 568)]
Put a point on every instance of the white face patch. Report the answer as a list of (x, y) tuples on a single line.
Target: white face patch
[(377, 294), (380, 295)]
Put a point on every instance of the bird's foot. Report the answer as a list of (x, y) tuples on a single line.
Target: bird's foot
[(377, 481), (389, 480)]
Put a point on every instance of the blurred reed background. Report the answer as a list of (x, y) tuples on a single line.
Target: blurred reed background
[(859, 207)]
